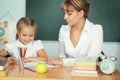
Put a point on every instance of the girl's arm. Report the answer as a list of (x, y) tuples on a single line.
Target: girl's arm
[(42, 56)]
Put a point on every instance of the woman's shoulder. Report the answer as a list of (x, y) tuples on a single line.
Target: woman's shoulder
[(95, 26), (98, 27)]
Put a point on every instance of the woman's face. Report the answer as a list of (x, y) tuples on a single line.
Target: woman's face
[(26, 35), (72, 16)]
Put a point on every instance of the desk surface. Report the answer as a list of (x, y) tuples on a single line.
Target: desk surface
[(56, 73)]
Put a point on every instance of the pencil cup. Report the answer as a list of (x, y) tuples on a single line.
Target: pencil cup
[(21, 65)]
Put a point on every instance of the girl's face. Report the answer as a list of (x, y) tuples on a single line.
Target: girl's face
[(26, 35), (72, 16)]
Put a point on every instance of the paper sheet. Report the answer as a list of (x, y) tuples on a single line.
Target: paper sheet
[(33, 64)]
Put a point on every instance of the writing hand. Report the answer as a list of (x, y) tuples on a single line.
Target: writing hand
[(55, 61), (12, 60)]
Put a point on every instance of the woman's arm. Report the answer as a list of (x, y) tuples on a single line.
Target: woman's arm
[(61, 50), (96, 42), (61, 44), (55, 61), (62, 61)]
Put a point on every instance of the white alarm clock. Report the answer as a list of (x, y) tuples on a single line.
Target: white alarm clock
[(108, 66)]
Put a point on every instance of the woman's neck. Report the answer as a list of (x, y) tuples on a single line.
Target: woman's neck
[(79, 26)]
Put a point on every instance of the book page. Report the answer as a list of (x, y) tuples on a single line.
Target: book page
[(33, 64)]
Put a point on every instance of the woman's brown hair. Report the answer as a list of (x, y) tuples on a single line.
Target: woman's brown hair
[(78, 6)]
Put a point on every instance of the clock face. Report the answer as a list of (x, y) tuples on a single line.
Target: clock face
[(107, 66)]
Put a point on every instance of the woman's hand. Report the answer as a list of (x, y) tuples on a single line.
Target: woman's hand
[(55, 61)]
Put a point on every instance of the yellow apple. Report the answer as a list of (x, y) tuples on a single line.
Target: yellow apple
[(41, 68)]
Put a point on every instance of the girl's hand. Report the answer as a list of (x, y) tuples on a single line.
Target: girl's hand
[(26, 59), (12, 60)]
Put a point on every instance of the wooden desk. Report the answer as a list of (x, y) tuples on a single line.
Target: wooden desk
[(57, 73)]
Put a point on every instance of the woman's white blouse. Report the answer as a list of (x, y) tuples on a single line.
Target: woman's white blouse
[(32, 48), (89, 44)]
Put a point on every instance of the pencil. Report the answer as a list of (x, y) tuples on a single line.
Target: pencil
[(30, 69)]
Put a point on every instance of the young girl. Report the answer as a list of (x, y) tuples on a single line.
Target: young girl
[(30, 49)]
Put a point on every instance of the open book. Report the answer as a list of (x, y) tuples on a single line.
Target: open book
[(3, 63), (31, 65), (3, 66)]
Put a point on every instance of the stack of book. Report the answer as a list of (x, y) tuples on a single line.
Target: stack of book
[(3, 67), (85, 67)]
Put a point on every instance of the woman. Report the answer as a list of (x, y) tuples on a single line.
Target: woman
[(80, 38)]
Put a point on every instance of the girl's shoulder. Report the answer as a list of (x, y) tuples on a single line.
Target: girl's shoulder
[(12, 44), (37, 42)]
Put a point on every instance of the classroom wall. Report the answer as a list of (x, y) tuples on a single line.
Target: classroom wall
[(18, 10), (12, 11)]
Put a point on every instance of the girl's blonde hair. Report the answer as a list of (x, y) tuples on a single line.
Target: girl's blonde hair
[(25, 22)]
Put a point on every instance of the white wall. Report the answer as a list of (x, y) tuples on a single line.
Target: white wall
[(15, 7), (51, 47), (113, 49), (12, 11)]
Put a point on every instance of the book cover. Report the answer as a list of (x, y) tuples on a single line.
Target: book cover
[(86, 67), (3, 63), (3, 72), (87, 63), (89, 73), (87, 59)]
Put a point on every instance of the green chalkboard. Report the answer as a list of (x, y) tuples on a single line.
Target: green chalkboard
[(49, 17)]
